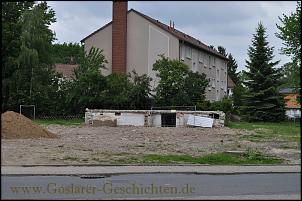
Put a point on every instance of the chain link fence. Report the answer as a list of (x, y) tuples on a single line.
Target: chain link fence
[(65, 117)]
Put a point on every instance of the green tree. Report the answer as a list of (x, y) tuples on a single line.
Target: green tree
[(290, 33), (32, 81), (225, 105), (222, 51), (12, 13), (291, 75), (262, 101), (178, 86), (117, 91), (238, 93), (195, 86), (231, 65), (140, 92), (90, 89), (85, 90), (232, 68), (170, 89), (235, 76), (70, 53)]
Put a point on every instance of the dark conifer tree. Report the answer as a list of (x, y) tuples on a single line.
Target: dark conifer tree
[(262, 101), (232, 68)]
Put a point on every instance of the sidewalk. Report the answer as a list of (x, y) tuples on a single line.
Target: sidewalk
[(96, 170)]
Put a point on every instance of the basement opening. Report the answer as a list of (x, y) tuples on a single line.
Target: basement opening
[(168, 120), (215, 116)]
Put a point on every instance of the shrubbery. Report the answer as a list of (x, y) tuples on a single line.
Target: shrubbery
[(90, 89), (178, 86)]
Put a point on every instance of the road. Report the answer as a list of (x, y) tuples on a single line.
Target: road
[(156, 186)]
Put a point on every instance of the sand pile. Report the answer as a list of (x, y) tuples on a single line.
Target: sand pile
[(17, 126)]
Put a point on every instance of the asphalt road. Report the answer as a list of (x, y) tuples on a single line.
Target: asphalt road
[(148, 186)]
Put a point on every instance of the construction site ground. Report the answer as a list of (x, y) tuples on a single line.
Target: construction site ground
[(117, 145)]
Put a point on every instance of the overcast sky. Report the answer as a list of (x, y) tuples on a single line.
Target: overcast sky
[(226, 23)]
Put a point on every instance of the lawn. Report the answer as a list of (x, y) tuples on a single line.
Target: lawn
[(288, 131), (64, 122), (248, 158)]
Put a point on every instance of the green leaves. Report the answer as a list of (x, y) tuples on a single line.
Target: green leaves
[(90, 89), (290, 34), (71, 53), (178, 86), (12, 13), (93, 62)]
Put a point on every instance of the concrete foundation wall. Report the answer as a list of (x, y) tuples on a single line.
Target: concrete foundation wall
[(147, 118)]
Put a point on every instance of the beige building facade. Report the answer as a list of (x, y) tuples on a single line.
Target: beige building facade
[(148, 38)]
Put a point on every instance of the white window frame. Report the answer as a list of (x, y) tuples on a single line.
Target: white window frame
[(188, 52), (182, 52), (200, 57), (213, 83)]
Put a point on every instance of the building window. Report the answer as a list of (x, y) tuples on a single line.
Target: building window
[(182, 53), (214, 62), (188, 52), (213, 82), (200, 58)]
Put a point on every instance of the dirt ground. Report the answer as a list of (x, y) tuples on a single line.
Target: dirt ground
[(107, 145)]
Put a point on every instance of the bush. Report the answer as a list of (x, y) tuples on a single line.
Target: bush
[(224, 105), (204, 105), (178, 86)]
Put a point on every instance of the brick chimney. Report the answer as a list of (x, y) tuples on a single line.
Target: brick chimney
[(119, 36)]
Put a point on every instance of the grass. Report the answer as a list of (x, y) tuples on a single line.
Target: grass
[(64, 122), (248, 158), (288, 131)]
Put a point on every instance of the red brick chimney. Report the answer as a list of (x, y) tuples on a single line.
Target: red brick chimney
[(119, 36)]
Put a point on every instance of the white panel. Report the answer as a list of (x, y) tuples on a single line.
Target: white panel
[(200, 121), (180, 120), (129, 119), (156, 120)]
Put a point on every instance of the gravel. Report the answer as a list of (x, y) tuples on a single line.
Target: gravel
[(104, 145)]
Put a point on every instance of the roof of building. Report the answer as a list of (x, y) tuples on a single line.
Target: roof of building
[(231, 83), (66, 70), (178, 34), (289, 91), (291, 101)]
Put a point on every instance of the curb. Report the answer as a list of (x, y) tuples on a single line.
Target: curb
[(115, 170)]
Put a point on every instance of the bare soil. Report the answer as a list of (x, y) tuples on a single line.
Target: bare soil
[(17, 126), (111, 145)]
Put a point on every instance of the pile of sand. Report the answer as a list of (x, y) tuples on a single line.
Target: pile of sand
[(17, 126)]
